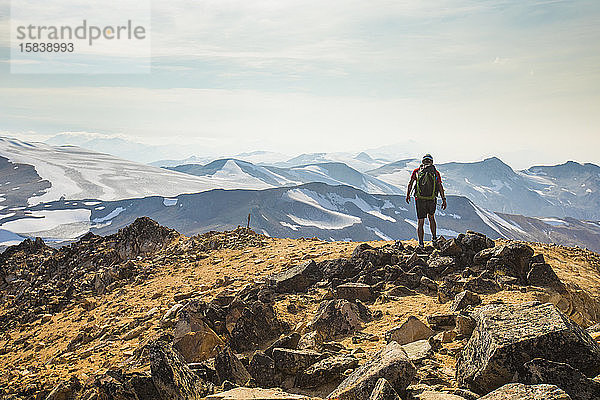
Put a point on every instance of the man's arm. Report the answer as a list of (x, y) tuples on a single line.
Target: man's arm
[(410, 185), (443, 194)]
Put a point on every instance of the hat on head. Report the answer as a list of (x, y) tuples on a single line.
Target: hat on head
[(427, 157)]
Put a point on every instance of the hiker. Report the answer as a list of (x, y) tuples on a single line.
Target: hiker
[(428, 183)]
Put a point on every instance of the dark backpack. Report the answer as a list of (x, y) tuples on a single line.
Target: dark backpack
[(426, 187)]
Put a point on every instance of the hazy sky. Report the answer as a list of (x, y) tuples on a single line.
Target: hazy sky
[(517, 79)]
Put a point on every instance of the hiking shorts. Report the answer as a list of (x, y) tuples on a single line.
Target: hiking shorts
[(425, 207)]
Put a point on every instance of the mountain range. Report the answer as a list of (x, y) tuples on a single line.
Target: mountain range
[(566, 190), (62, 192), (248, 174)]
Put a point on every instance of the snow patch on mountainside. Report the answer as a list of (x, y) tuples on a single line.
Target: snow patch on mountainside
[(46, 220), (554, 221), (443, 214), (379, 215), (366, 207), (109, 216), (291, 226), (328, 220), (411, 222), (494, 221), (379, 234), (76, 173), (336, 202), (322, 216), (232, 172)]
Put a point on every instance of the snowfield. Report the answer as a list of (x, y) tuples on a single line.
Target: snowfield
[(319, 214), (46, 220), (109, 216), (76, 173), (169, 202), (496, 222)]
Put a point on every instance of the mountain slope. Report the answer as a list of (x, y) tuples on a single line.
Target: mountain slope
[(495, 186), (568, 190), (360, 162), (243, 174), (309, 210), (249, 176), (174, 163), (75, 173), (336, 173), (396, 173), (572, 186)]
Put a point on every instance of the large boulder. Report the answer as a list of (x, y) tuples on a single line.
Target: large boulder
[(339, 317), (143, 236), (263, 371), (257, 324), (511, 259), (383, 391), (411, 330), (418, 350), (330, 369), (171, 376), (519, 391), (437, 266), (377, 256), (230, 368), (289, 341), (474, 242), (194, 339), (464, 299), (450, 248), (292, 361), (542, 275), (391, 363), (576, 384), (508, 336), (297, 278), (354, 291), (482, 285)]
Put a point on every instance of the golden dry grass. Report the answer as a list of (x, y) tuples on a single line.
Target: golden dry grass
[(36, 363)]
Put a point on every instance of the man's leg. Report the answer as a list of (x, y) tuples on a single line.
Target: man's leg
[(420, 232), (432, 226)]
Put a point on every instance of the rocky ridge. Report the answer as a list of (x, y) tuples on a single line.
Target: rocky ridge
[(459, 319)]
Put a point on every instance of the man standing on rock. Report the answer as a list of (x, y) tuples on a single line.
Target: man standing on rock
[(428, 183)]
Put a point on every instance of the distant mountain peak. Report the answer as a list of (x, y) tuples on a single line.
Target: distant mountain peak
[(574, 164), (363, 156), (494, 159)]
